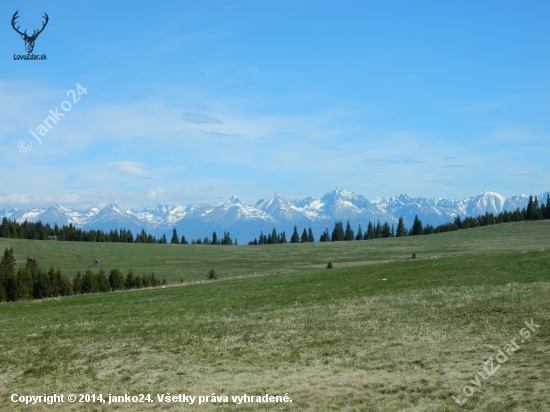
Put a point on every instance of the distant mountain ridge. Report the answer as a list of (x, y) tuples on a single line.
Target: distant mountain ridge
[(246, 221)]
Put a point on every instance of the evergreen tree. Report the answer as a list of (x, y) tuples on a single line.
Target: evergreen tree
[(262, 240), (325, 237), (274, 237), (153, 281), (378, 230), (359, 234), (370, 232), (89, 282), (130, 281), (348, 234), (175, 238), (5, 229), (401, 228), (337, 232), (458, 224), (311, 239), (214, 238), (22, 285), (392, 234), (77, 283), (530, 212), (304, 238), (8, 259), (295, 236), (40, 280), (65, 288), (283, 238), (116, 279), (227, 239), (386, 232), (183, 240), (547, 207), (103, 284), (417, 227)]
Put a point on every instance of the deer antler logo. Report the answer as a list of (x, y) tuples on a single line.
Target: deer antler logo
[(29, 40)]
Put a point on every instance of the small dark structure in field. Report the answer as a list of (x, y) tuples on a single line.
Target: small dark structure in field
[(211, 275), (52, 237), (95, 262), (329, 266)]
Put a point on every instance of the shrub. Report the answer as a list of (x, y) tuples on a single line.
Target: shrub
[(211, 275), (329, 266), (414, 256)]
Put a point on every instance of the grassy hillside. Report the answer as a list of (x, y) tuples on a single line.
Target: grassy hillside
[(369, 335), (191, 262)]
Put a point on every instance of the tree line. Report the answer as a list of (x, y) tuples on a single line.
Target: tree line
[(533, 211), (38, 231), (225, 240), (32, 282)]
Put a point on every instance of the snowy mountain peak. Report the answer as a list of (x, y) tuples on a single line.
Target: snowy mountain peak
[(246, 221), (230, 201)]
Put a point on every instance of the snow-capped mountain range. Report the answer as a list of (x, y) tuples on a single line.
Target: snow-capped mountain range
[(246, 221)]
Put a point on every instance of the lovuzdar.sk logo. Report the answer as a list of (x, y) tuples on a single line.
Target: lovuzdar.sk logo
[(29, 40)]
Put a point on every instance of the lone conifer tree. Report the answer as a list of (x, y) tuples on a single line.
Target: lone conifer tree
[(417, 227), (349, 235), (304, 238), (175, 238), (310, 237), (359, 234), (401, 228), (295, 236), (337, 232)]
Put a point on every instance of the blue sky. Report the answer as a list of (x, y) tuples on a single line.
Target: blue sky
[(191, 102)]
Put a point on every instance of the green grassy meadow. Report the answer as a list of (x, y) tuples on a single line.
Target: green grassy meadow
[(191, 262), (379, 332)]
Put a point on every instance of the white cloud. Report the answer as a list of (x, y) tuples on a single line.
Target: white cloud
[(198, 118), (134, 168)]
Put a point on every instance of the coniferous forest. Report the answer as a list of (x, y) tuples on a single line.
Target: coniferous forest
[(533, 211), (32, 282), (38, 231)]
